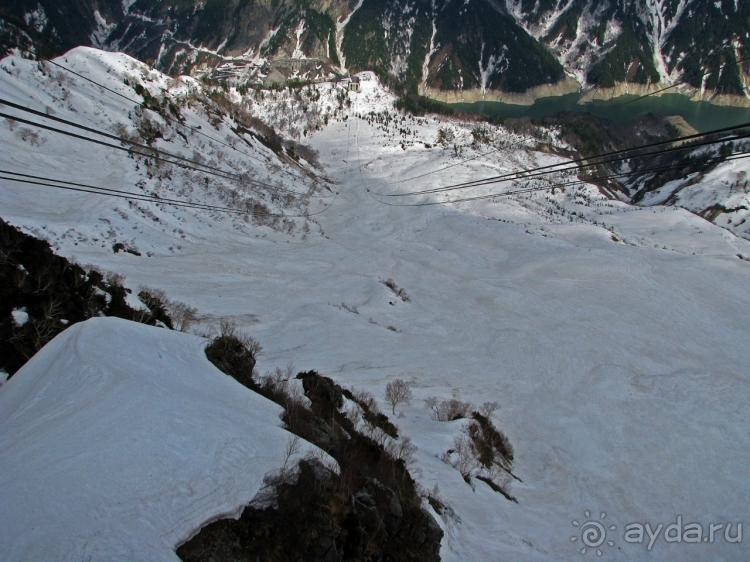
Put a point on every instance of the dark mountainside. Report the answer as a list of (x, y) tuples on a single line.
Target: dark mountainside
[(51, 294), (508, 46)]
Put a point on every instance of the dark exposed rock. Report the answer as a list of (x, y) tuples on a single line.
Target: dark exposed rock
[(55, 294), (369, 510)]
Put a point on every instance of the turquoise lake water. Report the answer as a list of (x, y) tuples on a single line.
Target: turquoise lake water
[(703, 116)]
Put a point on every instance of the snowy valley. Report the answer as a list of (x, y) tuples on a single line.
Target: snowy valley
[(612, 335)]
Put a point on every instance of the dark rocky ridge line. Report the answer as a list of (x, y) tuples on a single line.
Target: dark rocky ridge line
[(368, 509)]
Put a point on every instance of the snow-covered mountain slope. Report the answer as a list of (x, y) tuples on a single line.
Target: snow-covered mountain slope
[(119, 440), (613, 336), (721, 196), (228, 164)]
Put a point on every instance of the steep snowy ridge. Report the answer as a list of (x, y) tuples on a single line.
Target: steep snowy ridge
[(613, 336), (184, 123), (118, 441)]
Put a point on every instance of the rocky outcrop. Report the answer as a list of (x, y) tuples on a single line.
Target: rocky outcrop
[(360, 503)]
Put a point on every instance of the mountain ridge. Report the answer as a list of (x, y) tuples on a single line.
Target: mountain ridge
[(442, 49)]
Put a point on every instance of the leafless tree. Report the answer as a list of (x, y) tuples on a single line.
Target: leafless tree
[(397, 392), (228, 329), (293, 446), (364, 398), (448, 410), (36, 332), (403, 449), (462, 457), (488, 408), (182, 315)]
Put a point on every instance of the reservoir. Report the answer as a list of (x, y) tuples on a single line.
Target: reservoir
[(703, 116)]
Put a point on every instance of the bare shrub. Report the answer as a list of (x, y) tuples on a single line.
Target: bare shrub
[(488, 408), (183, 316), (352, 309), (491, 444), (369, 411), (364, 399), (298, 150), (122, 131), (34, 334), (234, 353), (500, 477), (398, 291), (499, 485), (377, 435), (291, 450), (432, 403), (348, 308), (154, 293), (398, 392), (480, 135), (27, 135), (354, 414), (228, 328), (461, 457), (116, 279), (448, 410), (148, 129), (445, 136), (324, 460), (156, 300), (279, 379), (281, 387), (483, 452), (402, 449)]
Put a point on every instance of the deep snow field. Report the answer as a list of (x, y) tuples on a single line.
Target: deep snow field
[(615, 339), (119, 440)]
